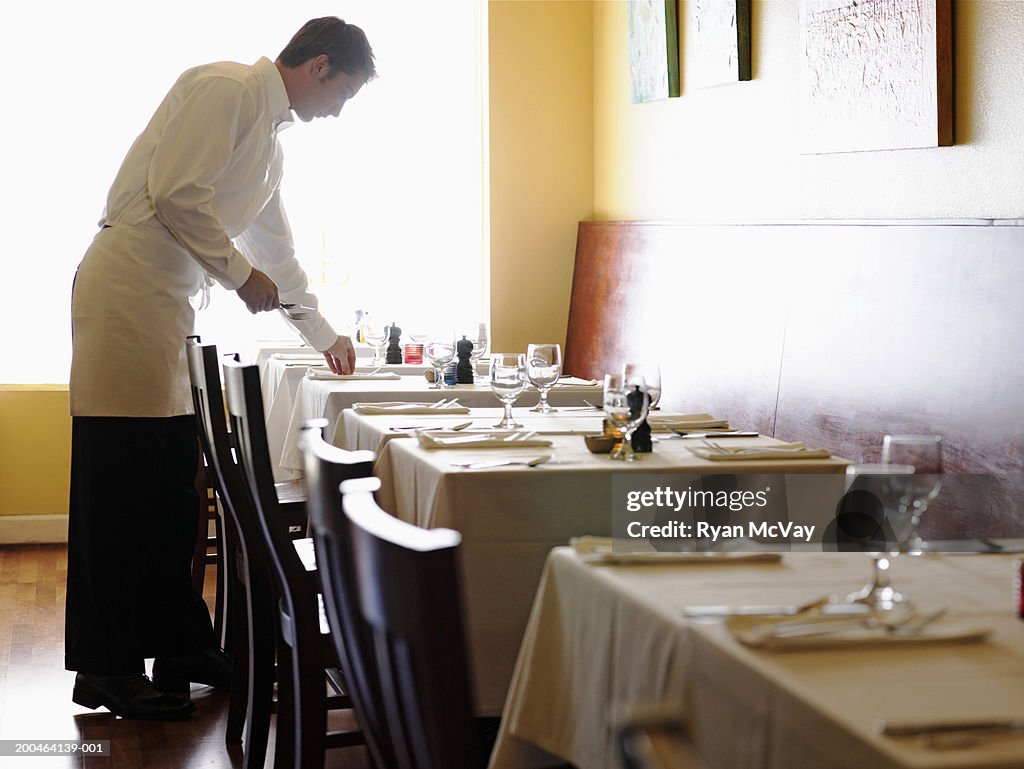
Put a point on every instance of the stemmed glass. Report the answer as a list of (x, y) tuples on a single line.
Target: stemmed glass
[(623, 414), (924, 454), (440, 351), (543, 367), (651, 374), (376, 335), (508, 378), (869, 516), (480, 341)]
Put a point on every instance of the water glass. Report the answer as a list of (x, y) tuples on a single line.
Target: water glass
[(626, 406), (508, 378), (651, 374), (480, 341), (869, 517), (440, 351), (924, 454), (543, 367), (376, 335)]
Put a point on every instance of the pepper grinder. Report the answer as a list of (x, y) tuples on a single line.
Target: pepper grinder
[(394, 352)]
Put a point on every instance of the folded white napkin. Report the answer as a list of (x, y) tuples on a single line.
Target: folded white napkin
[(686, 422), (757, 632), (299, 354), (575, 381), (322, 372), (775, 451), (411, 407), (486, 439), (625, 552)]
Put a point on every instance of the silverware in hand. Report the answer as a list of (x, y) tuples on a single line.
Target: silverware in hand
[(297, 311)]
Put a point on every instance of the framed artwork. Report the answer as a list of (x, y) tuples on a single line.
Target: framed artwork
[(653, 49), (721, 41), (875, 74)]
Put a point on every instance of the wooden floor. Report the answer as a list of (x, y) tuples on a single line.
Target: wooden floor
[(35, 690)]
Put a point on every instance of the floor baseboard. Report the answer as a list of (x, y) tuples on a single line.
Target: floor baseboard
[(33, 529)]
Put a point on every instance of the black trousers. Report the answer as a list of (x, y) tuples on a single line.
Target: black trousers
[(131, 534)]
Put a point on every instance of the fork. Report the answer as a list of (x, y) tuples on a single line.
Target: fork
[(908, 624), (445, 403)]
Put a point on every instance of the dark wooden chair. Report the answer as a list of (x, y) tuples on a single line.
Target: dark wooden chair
[(407, 583), (306, 660), (212, 549), (252, 619), (326, 467)]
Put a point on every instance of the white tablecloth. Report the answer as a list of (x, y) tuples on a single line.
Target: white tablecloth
[(603, 639), (371, 431), (511, 517), (282, 370), (325, 398)]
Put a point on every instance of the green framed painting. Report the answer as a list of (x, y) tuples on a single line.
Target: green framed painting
[(653, 49)]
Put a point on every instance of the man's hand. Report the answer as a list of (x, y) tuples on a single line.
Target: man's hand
[(259, 292), (341, 356)]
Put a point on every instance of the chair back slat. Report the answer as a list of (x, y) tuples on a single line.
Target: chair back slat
[(408, 586)]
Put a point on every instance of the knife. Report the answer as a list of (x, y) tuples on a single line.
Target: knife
[(916, 728)]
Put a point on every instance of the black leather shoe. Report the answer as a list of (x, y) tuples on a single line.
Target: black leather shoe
[(211, 667), (129, 697)]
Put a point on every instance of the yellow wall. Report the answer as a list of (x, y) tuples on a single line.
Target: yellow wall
[(541, 163), (35, 450), (731, 152)]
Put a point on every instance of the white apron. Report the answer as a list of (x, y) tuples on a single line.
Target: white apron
[(130, 314)]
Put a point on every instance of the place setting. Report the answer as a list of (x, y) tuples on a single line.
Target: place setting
[(378, 374), (608, 551), (879, 514), (443, 406)]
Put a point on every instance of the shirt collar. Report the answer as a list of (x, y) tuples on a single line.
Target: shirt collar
[(278, 107)]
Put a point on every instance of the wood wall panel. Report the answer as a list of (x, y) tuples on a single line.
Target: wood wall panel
[(831, 333)]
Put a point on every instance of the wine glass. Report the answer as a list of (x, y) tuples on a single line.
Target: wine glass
[(651, 373), (869, 516), (440, 351), (508, 378), (543, 367), (480, 341), (924, 454), (376, 335), (626, 406)]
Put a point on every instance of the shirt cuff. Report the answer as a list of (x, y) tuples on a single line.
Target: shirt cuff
[(321, 337), (237, 272)]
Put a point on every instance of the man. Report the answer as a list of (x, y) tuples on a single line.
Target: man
[(197, 197)]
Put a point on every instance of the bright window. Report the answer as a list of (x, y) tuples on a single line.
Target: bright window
[(386, 202)]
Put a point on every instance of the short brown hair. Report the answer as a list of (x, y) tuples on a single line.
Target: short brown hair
[(345, 46)]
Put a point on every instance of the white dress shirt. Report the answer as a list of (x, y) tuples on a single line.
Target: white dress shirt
[(197, 197)]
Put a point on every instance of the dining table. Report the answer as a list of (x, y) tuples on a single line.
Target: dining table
[(512, 516), (327, 398), (607, 640), (370, 432)]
